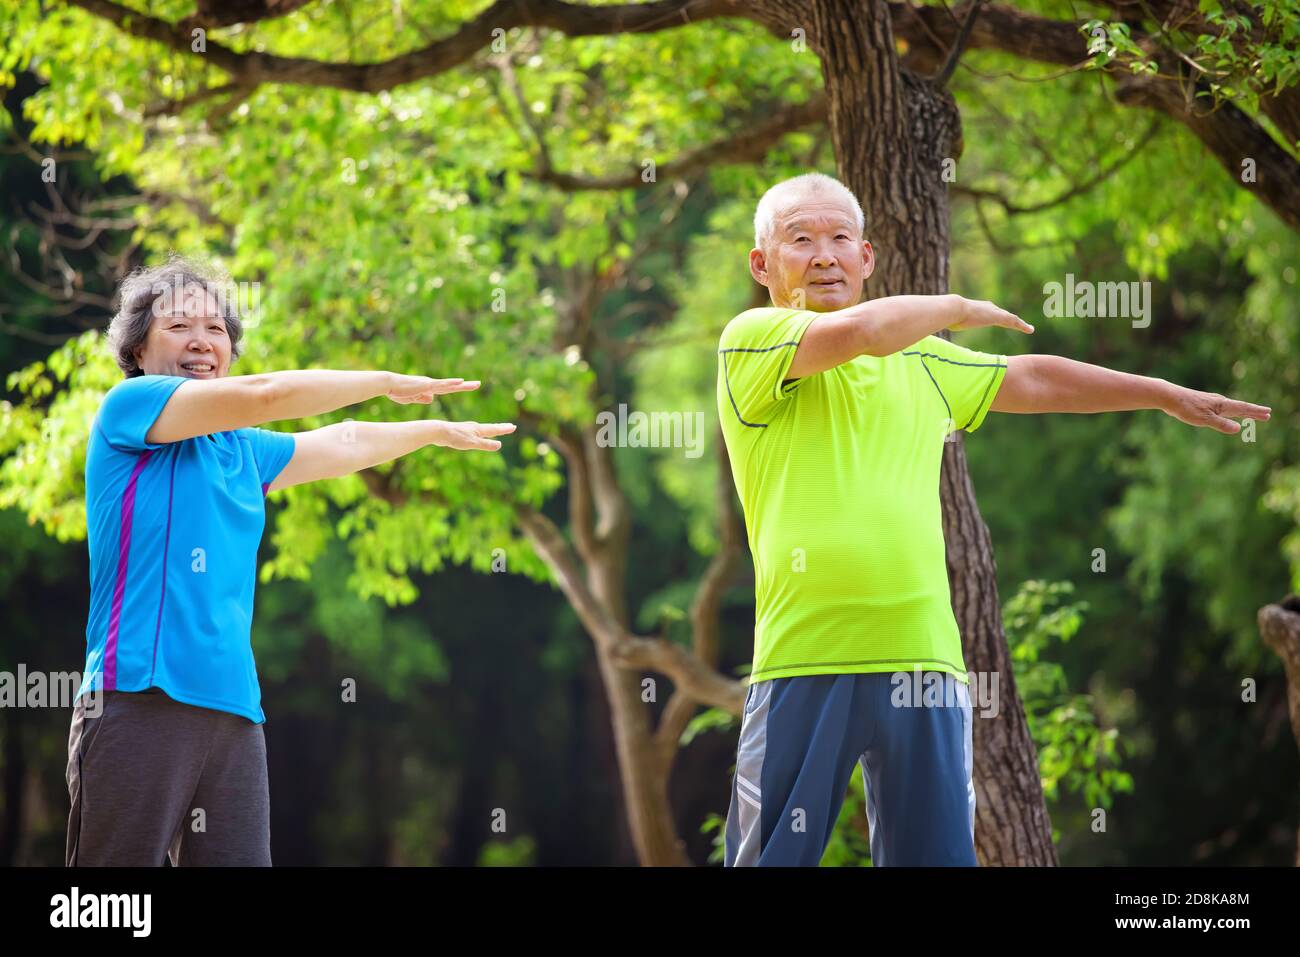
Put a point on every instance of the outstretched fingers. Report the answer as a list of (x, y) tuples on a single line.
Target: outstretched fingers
[(1220, 414), (409, 389), (1009, 320), (446, 386), (484, 432), (1244, 410)]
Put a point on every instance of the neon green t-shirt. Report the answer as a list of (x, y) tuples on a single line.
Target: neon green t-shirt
[(838, 475)]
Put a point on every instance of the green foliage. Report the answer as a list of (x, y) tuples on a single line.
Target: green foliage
[(1169, 524), (716, 824), (677, 369), (517, 852), (396, 231), (43, 439), (1236, 57), (1072, 749), (709, 719), (850, 843), (385, 229)]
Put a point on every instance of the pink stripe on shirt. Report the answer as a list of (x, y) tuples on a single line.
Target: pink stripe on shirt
[(123, 551)]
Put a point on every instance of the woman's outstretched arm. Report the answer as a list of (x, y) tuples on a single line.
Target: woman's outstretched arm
[(203, 406), (347, 447)]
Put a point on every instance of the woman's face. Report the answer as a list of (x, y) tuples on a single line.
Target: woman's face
[(187, 337)]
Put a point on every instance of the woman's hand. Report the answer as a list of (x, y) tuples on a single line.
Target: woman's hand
[(472, 435), (409, 389)]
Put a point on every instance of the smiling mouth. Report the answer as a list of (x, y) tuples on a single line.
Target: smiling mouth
[(199, 367)]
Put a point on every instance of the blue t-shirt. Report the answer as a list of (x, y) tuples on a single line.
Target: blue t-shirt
[(173, 531)]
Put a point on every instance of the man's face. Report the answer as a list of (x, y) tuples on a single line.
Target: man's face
[(187, 336), (817, 258)]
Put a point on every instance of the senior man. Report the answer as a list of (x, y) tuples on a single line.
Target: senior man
[(834, 413)]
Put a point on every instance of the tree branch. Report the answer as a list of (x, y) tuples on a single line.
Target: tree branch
[(959, 45), (760, 131), (578, 480), (1228, 133), (1279, 625), (225, 13), (551, 545), (931, 33), (1083, 186), (238, 91), (688, 673), (706, 607), (694, 677), (574, 20)]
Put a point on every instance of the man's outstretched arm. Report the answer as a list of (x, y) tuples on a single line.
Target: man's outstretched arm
[(1057, 384), (881, 327)]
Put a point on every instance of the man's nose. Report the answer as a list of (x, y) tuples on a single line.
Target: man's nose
[(824, 257)]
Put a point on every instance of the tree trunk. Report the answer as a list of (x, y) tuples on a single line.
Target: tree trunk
[(892, 133), (1012, 826), (1280, 627), (645, 789)]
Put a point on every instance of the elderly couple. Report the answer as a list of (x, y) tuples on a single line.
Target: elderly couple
[(834, 414)]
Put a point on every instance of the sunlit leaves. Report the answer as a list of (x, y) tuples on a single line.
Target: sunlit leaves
[(1073, 750)]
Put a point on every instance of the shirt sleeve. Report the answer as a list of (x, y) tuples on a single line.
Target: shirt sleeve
[(967, 380), (131, 408), (755, 353), (271, 451)]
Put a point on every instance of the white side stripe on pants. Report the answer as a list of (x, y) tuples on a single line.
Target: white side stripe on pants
[(749, 768), (745, 790)]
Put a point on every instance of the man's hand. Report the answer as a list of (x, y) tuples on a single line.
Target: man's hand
[(1211, 410), (977, 313), (408, 389), (472, 435)]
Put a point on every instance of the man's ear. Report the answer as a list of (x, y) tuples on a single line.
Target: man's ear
[(758, 266), (868, 260)]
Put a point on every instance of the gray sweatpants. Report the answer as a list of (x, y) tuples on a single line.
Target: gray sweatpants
[(151, 777)]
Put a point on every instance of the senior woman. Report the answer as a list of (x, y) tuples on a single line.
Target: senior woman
[(166, 754)]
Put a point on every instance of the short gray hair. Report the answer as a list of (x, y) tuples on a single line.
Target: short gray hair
[(797, 187), (141, 292)]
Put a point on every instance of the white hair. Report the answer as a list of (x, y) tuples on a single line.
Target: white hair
[(785, 193)]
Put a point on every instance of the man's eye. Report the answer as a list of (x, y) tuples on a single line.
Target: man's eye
[(803, 239)]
